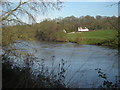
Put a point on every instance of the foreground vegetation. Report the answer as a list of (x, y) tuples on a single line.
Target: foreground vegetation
[(16, 76)]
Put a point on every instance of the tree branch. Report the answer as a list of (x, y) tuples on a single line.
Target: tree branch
[(5, 17)]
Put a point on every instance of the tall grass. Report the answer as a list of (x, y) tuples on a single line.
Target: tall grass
[(15, 76), (107, 83)]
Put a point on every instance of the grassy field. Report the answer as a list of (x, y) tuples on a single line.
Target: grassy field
[(98, 37)]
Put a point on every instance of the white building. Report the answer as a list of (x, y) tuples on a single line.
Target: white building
[(80, 29), (64, 31)]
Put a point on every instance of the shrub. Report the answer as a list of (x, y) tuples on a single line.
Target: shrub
[(50, 31)]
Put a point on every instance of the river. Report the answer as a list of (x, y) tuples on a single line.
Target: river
[(80, 61)]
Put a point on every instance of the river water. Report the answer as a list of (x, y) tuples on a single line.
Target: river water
[(80, 61)]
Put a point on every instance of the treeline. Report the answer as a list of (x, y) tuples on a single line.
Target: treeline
[(72, 23), (52, 30)]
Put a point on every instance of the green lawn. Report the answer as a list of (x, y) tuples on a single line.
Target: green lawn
[(102, 37), (101, 34)]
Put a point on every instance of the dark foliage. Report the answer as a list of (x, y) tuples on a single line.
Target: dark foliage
[(16, 77)]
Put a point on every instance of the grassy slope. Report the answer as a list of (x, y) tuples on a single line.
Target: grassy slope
[(101, 37)]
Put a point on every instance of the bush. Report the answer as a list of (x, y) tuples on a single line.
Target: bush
[(50, 31), (12, 33)]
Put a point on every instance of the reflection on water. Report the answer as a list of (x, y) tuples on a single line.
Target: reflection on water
[(83, 60)]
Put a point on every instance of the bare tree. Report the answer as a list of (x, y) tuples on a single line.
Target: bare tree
[(13, 11)]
